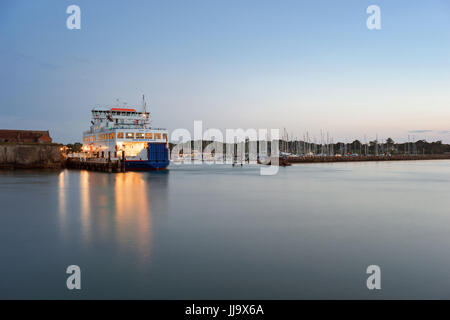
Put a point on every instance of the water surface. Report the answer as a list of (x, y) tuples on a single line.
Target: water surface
[(207, 232)]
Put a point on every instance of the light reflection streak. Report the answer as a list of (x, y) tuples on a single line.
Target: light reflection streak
[(62, 201), (133, 216), (85, 204), (115, 211)]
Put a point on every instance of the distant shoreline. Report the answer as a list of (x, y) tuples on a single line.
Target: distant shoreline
[(324, 159)]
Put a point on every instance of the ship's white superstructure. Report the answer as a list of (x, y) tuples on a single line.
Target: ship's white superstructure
[(115, 131)]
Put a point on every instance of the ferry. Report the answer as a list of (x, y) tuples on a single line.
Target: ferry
[(125, 133)]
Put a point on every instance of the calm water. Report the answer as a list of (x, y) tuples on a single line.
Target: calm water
[(207, 232)]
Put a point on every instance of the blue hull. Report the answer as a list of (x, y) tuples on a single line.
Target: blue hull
[(157, 155), (145, 165)]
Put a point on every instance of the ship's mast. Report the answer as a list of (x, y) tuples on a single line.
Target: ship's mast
[(145, 115), (144, 104)]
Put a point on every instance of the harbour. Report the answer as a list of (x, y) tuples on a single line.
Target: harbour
[(225, 159), (121, 139)]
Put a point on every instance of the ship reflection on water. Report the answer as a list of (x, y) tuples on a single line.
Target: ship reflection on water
[(113, 212)]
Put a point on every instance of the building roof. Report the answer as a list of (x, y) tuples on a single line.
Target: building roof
[(23, 134)]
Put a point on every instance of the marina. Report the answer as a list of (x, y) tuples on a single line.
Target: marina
[(107, 164)]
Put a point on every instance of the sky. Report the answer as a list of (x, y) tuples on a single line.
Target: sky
[(301, 65)]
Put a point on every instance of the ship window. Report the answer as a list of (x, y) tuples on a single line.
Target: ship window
[(130, 135), (157, 136), (111, 136), (148, 136), (120, 135), (165, 136), (139, 136)]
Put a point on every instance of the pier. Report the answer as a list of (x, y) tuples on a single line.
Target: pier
[(96, 164), (114, 165)]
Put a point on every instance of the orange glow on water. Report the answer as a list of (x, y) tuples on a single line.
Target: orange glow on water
[(133, 209), (85, 203), (62, 199)]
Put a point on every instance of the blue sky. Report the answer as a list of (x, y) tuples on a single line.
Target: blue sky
[(302, 65)]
